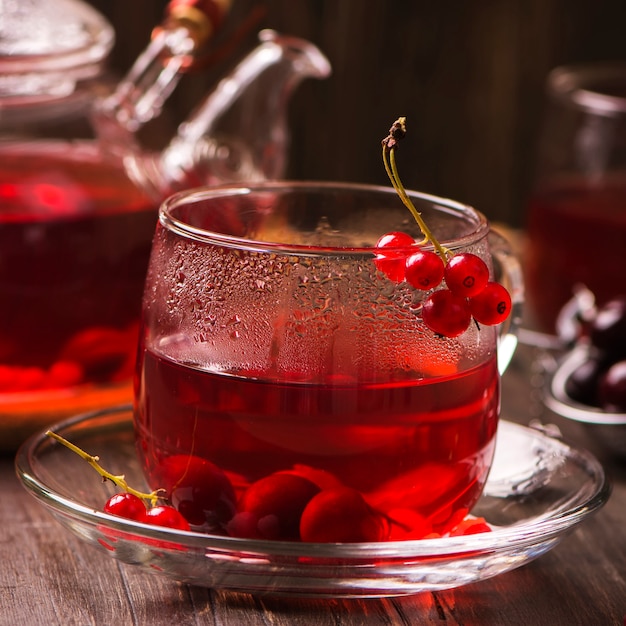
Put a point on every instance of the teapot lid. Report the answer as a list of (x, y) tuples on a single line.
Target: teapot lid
[(47, 46)]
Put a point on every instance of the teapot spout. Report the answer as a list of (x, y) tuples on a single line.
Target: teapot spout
[(239, 132)]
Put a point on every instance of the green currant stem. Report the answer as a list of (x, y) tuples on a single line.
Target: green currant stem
[(120, 481), (389, 159)]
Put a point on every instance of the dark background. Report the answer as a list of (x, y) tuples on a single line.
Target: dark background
[(468, 74)]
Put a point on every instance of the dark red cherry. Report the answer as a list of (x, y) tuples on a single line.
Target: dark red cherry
[(197, 488), (167, 516), (340, 516), (466, 274), (607, 329), (582, 384), (612, 388), (390, 259), (126, 505), (446, 313), (271, 507)]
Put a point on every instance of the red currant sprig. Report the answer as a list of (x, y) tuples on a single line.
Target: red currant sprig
[(130, 504), (468, 293)]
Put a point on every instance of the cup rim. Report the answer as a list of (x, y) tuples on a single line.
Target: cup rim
[(579, 84), (180, 227)]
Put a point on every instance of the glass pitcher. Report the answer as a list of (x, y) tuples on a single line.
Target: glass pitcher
[(577, 209), (79, 194)]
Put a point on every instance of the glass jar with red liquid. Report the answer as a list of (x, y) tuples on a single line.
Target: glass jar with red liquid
[(577, 211), (79, 193)]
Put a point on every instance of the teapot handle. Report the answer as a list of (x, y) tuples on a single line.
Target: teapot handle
[(139, 97), (508, 271)]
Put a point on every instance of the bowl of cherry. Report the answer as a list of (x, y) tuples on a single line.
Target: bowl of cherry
[(589, 383)]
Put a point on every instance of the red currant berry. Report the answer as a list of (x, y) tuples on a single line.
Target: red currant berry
[(271, 507), (492, 305), (424, 270), (126, 505), (392, 261), (466, 274), (198, 488), (445, 313), (340, 516), (167, 516)]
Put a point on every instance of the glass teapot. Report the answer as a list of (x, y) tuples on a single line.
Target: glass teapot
[(79, 193)]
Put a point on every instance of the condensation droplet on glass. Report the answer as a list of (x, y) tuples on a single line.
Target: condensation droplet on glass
[(235, 319)]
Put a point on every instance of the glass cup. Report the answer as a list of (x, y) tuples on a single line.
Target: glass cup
[(288, 389), (576, 220)]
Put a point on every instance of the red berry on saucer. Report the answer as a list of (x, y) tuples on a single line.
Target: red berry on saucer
[(167, 516), (126, 505)]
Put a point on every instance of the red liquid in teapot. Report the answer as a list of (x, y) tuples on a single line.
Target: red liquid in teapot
[(576, 234), (417, 450), (75, 238)]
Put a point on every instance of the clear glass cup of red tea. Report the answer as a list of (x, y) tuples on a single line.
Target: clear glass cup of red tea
[(576, 217), (287, 389)]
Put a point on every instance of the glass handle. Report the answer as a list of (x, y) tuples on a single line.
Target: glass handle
[(508, 271)]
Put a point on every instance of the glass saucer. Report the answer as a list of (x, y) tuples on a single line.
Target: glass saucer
[(539, 489)]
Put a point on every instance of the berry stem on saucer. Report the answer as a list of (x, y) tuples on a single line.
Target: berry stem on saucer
[(120, 480)]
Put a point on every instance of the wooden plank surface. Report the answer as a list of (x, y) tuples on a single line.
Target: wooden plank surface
[(48, 576)]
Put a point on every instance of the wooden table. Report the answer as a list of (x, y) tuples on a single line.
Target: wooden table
[(48, 576)]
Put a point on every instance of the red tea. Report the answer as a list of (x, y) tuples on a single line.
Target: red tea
[(75, 239), (417, 450), (576, 234)]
